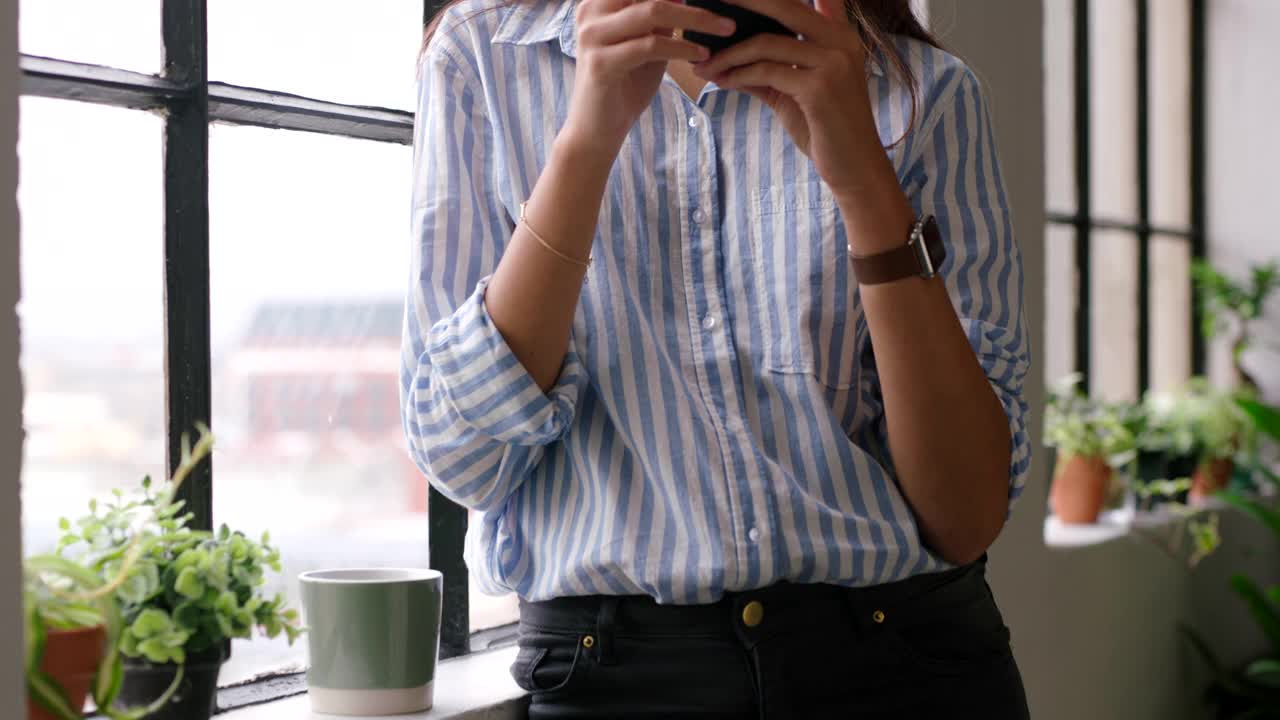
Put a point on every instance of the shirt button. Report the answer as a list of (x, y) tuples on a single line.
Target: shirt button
[(709, 322), (699, 216), (693, 121), (754, 535)]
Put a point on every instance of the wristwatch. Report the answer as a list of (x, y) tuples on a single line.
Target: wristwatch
[(920, 257)]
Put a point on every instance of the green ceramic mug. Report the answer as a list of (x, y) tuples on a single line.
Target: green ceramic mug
[(374, 636)]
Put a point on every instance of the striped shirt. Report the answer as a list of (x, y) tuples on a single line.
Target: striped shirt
[(718, 423)]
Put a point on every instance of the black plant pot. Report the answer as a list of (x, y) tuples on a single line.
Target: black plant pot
[(1181, 466), (1150, 466), (196, 696)]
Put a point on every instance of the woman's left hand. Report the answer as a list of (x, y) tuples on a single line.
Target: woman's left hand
[(816, 86)]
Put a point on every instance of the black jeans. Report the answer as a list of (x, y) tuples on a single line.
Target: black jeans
[(929, 647)]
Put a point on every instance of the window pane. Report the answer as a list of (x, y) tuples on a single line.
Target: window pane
[(1170, 312), (91, 313), (1061, 298), (352, 52), (1113, 74), (308, 265), (1113, 318), (1170, 113), (120, 34), (1059, 105)]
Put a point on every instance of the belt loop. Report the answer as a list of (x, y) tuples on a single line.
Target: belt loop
[(605, 623)]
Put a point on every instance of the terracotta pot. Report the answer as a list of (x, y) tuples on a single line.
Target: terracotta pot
[(1210, 477), (71, 657), (1080, 489)]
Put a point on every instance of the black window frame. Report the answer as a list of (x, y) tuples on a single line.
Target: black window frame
[(1084, 222), (188, 102)]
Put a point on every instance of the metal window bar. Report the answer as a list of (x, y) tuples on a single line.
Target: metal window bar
[(187, 359), (1199, 163), (1143, 132), (1084, 189)]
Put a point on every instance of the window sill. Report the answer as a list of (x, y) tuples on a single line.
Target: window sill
[(1113, 525), (476, 686)]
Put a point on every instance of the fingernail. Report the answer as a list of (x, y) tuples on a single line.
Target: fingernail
[(703, 52), (725, 27)]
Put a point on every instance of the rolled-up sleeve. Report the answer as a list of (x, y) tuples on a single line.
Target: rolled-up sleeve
[(475, 420), (958, 180)]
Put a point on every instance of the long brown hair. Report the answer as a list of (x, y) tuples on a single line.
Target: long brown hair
[(877, 21)]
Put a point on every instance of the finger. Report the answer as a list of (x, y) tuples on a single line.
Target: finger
[(798, 16), (647, 17), (779, 76), (588, 9), (765, 47), (631, 54)]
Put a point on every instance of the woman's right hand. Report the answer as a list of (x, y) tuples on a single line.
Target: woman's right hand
[(623, 50)]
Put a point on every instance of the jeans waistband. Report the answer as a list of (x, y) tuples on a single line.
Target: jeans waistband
[(642, 615)]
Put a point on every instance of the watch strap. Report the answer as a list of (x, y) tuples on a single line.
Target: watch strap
[(921, 256)]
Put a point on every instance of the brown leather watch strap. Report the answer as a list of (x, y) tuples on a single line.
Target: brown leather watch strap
[(901, 262)]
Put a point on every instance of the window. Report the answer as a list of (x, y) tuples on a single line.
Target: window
[(199, 251), (1124, 102)]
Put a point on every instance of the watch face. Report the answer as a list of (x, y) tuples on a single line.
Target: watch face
[(933, 243)]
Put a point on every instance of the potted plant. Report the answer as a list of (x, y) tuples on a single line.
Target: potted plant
[(67, 637), (1091, 440), (1206, 430), (73, 619), (1254, 690), (190, 593), (1230, 307)]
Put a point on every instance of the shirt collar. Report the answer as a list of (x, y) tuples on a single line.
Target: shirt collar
[(536, 21)]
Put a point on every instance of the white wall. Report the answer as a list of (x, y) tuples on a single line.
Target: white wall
[(12, 693), (1244, 153), (1094, 629)]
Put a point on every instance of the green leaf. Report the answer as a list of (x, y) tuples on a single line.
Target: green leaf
[(187, 615), (226, 603), (1265, 417), (189, 583), (1263, 612), (36, 634), (1264, 672), (49, 695), (150, 623), (135, 589), (64, 524), (157, 650)]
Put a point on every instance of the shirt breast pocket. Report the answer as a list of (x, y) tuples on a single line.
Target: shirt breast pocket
[(805, 294)]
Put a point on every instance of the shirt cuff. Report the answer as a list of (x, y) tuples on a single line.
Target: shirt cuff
[(490, 389)]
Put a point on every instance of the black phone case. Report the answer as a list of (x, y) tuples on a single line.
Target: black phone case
[(749, 24)]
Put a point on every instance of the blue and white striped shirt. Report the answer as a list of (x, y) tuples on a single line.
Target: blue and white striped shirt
[(718, 423)]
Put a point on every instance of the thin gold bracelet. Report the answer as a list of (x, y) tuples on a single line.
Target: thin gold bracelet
[(525, 221)]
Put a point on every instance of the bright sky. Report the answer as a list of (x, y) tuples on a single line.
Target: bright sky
[(293, 215)]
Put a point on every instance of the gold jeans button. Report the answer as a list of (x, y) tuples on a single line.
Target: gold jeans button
[(753, 614)]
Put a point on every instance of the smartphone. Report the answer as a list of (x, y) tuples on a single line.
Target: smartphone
[(749, 24)]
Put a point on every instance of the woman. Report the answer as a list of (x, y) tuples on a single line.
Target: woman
[(728, 352)]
